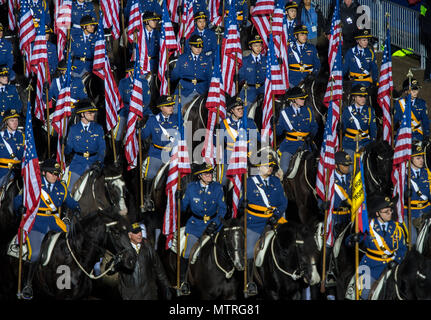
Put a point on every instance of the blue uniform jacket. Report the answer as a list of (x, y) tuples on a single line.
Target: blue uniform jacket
[(77, 88), (290, 26), (187, 70), (393, 241), (210, 42), (37, 8), (159, 141), (153, 47), (301, 64), (125, 88), (52, 57), (17, 145), (206, 206), (9, 99), (82, 50), (301, 125), (81, 141), (254, 73), (79, 11), (420, 120), (6, 56), (421, 193), (242, 10), (368, 70), (230, 129), (343, 191), (276, 198), (367, 122)]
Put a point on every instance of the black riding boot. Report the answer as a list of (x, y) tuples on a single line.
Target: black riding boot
[(184, 289), (148, 203), (27, 291), (251, 286)]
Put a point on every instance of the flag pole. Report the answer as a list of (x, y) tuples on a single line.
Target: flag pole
[(217, 162), (409, 175), (356, 158), (325, 222), (20, 233), (48, 125), (124, 34), (179, 213), (392, 95)]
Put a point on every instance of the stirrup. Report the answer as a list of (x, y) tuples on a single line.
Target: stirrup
[(184, 289), (251, 289), (27, 293)]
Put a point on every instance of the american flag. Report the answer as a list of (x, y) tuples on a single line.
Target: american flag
[(402, 154), (238, 163), (62, 112), (131, 147), (111, 14), (386, 86), (39, 64), (215, 99), (179, 166), (261, 18), (187, 25), (135, 20), (173, 7), (278, 86), (167, 42), (27, 34), (31, 177), (279, 31), (63, 22), (232, 53), (335, 38), (11, 16), (267, 131), (213, 7), (102, 68)]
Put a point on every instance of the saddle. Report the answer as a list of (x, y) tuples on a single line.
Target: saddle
[(13, 249), (422, 235), (80, 184), (194, 253), (375, 289), (292, 170), (261, 247)]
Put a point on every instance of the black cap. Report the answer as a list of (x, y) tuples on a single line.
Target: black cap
[(264, 158), (291, 4), (202, 168), (135, 228), (196, 41), (255, 39), (200, 15), (378, 202), (130, 66), (51, 165), (363, 33), (417, 149), (238, 102), (10, 113), (297, 93), (300, 28), (85, 105), (414, 84), (359, 90), (149, 15), (166, 101), (87, 20), (342, 157), (4, 70)]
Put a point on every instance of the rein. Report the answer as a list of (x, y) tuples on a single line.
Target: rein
[(228, 274), (397, 290), (294, 275)]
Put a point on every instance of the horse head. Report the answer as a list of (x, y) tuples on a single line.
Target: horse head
[(297, 252), (378, 167), (232, 235), (116, 188)]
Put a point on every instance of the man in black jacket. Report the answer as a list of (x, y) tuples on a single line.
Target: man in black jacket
[(148, 276)]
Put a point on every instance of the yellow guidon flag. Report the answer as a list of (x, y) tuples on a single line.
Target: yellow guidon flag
[(358, 195)]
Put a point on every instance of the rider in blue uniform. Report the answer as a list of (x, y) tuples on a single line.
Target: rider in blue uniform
[(302, 57), (253, 71), (152, 36), (52, 51), (83, 42), (162, 128), (77, 88), (230, 131), (11, 147), (9, 98), (297, 124), (360, 61), (242, 11), (37, 7), (384, 242), (266, 203), (358, 120), (6, 53), (53, 195), (420, 185), (125, 88), (193, 70), (419, 111), (86, 139), (81, 8), (208, 36), (291, 8), (205, 199)]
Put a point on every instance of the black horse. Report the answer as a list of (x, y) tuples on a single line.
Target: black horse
[(410, 280), (9, 221), (68, 273), (289, 263)]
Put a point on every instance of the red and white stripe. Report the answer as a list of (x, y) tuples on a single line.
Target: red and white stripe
[(213, 7), (111, 14), (263, 7), (187, 25), (173, 9), (279, 31), (267, 132), (135, 21), (63, 22), (11, 16), (232, 58)]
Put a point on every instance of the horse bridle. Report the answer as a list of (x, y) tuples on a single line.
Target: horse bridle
[(228, 274), (117, 257), (297, 273), (107, 180)]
